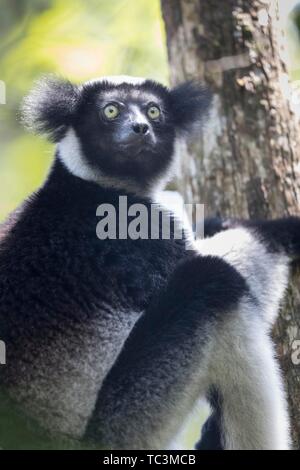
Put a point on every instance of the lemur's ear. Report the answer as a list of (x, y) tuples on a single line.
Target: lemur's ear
[(49, 107), (190, 102)]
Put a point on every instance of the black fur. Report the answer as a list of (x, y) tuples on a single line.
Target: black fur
[(57, 223), (189, 101), (213, 225), (100, 141), (57, 279), (50, 107), (281, 235), (54, 104), (211, 433)]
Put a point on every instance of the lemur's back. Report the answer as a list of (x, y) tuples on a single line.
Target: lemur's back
[(69, 300)]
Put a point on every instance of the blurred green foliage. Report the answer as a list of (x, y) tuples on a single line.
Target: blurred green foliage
[(294, 42), (79, 40)]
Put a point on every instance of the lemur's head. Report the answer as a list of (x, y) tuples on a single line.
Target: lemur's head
[(117, 131)]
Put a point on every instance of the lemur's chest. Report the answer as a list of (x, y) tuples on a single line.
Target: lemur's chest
[(71, 322), (70, 301)]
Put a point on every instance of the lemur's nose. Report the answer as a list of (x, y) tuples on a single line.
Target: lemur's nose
[(140, 128)]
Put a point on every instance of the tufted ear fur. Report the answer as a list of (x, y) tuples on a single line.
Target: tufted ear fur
[(190, 102), (50, 106)]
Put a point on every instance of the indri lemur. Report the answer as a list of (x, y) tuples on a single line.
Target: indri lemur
[(113, 341)]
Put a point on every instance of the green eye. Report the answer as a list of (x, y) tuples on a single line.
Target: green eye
[(153, 112), (111, 111)]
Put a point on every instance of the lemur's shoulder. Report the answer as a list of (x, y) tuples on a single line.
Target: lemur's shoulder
[(10, 221)]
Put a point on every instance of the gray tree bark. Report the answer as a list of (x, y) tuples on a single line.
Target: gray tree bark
[(246, 163)]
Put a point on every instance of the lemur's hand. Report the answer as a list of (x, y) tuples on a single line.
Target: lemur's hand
[(213, 225), (281, 235)]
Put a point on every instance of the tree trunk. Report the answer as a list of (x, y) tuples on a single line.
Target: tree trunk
[(246, 163)]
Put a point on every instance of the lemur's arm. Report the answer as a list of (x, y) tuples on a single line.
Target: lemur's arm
[(207, 334)]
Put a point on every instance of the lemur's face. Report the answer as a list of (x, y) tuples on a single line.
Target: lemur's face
[(118, 129), (127, 130)]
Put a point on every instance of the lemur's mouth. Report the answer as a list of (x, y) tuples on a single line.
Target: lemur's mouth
[(137, 145), (130, 151)]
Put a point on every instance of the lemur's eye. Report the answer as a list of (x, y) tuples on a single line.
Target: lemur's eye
[(153, 112), (111, 111)]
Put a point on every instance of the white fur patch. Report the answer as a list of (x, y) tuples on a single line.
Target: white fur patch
[(71, 155), (244, 370)]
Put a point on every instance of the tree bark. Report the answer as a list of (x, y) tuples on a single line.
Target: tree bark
[(246, 162)]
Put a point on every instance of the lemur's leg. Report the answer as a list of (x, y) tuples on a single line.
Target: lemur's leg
[(164, 366), (282, 238), (208, 331), (247, 396), (261, 252)]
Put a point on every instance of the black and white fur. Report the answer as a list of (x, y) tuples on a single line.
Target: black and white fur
[(112, 342)]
